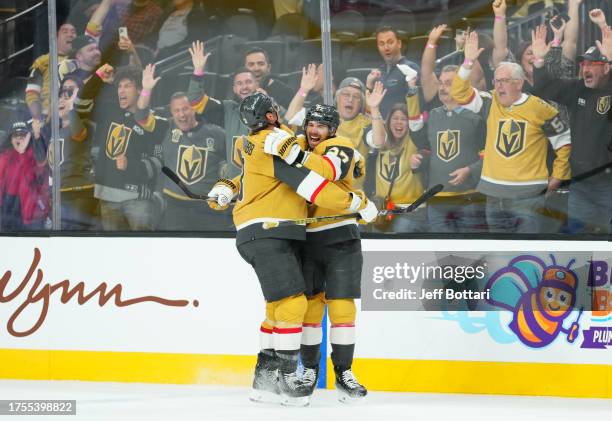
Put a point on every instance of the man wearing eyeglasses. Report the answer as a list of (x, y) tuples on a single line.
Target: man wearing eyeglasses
[(514, 173), (589, 106)]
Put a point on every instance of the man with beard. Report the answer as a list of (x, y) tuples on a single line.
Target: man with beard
[(332, 261), (588, 102), (85, 59), (257, 60)]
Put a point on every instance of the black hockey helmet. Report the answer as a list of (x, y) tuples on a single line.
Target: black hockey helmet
[(325, 114), (253, 110)]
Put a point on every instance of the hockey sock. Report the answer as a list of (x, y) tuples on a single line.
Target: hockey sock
[(310, 354)]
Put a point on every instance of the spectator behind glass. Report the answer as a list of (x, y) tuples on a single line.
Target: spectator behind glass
[(37, 90), (224, 112), (24, 181), (589, 103), (185, 23), (390, 49), (84, 60), (79, 207), (395, 183), (129, 159), (257, 60), (519, 127)]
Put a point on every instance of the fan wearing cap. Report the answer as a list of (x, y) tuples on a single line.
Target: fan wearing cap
[(85, 58), (589, 101), (24, 182), (355, 124)]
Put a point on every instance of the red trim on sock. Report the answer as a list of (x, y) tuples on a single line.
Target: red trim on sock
[(311, 325), (287, 330), (266, 330), (343, 325)]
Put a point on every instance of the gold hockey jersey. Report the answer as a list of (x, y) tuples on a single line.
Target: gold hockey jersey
[(393, 166), (515, 152), (335, 159), (271, 190)]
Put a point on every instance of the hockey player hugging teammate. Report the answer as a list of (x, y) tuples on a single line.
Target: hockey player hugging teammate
[(273, 186)]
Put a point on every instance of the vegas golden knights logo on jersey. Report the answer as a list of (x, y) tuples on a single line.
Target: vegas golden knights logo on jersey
[(390, 167), (510, 137), (117, 140), (191, 163), (448, 145), (51, 153), (603, 104)]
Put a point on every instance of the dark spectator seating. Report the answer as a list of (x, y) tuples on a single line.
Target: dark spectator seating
[(291, 26), (347, 25), (365, 54), (402, 20), (243, 25)]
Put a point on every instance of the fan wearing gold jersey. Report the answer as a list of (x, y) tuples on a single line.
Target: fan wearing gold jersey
[(271, 189), (519, 126)]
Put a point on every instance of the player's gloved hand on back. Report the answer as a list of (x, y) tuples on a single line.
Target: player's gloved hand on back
[(366, 208), (359, 170), (223, 192), (282, 144)]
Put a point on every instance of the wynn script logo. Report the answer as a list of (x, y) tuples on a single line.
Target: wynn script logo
[(39, 291)]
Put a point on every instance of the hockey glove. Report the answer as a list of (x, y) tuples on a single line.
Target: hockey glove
[(223, 192), (366, 208), (284, 145)]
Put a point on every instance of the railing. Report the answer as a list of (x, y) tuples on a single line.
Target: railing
[(10, 50)]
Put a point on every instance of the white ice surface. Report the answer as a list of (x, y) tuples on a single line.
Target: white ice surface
[(154, 402)]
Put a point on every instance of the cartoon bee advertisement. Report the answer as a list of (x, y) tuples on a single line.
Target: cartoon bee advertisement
[(545, 299)]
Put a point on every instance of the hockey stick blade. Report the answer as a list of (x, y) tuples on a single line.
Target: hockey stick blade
[(424, 198), (176, 180)]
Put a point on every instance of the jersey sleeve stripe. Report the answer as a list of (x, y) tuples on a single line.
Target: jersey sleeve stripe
[(333, 165), (317, 191), (310, 186)]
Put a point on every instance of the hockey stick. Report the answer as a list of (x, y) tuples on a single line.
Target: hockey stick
[(176, 180), (304, 221)]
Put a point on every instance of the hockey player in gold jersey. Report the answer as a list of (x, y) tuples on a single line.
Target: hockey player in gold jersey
[(331, 257), (271, 189), (514, 173)]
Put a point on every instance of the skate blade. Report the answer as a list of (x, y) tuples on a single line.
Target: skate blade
[(264, 396), (295, 401), (348, 399)]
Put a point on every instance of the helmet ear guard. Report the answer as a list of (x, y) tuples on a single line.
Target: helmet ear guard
[(324, 114)]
